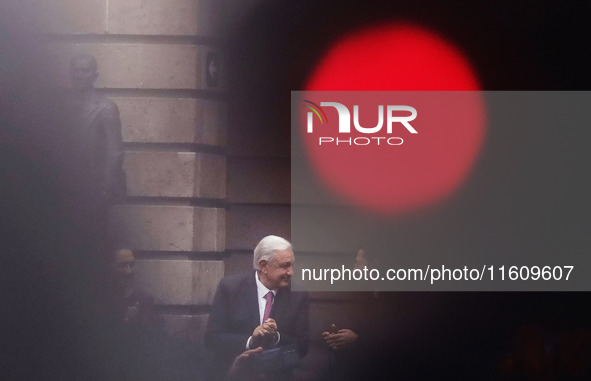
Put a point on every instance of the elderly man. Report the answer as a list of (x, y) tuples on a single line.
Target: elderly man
[(258, 309)]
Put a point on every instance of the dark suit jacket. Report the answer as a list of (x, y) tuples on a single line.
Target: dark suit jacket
[(235, 314)]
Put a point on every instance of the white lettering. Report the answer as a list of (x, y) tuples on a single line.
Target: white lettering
[(372, 129), (356, 141), (394, 144), (402, 119), (344, 116)]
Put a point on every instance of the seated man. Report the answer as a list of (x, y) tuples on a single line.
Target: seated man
[(258, 308)]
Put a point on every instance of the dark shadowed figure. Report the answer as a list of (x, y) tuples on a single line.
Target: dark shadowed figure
[(132, 306), (92, 177)]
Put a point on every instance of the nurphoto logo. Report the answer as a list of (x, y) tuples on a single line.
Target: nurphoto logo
[(395, 115)]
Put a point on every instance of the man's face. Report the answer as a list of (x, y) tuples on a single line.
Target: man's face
[(83, 73), (277, 272)]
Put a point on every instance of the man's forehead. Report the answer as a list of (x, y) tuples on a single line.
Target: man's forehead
[(284, 256)]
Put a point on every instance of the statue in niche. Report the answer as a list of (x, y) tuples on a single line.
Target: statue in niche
[(94, 135)]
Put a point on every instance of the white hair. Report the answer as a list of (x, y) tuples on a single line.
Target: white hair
[(266, 248)]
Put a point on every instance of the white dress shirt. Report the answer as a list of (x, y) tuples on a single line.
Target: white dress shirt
[(261, 292)]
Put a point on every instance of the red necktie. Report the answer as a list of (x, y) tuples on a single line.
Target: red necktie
[(268, 306)]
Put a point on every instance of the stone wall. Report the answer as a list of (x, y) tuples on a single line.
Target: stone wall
[(154, 58)]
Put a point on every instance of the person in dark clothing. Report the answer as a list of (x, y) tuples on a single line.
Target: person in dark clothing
[(133, 306)]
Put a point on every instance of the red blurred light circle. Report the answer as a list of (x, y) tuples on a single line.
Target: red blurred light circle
[(399, 57)]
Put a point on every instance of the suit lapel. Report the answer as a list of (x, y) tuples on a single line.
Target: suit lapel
[(279, 305), (251, 301)]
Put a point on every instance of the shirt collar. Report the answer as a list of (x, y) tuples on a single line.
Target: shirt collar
[(261, 289)]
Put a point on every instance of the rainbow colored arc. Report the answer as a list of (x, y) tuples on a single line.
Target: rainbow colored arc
[(315, 109)]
